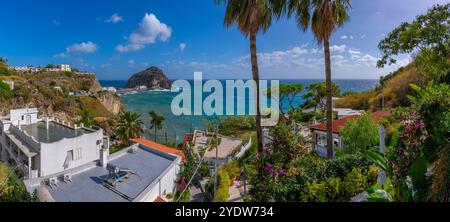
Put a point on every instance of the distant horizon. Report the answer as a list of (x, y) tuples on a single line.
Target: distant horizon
[(250, 79), (123, 37)]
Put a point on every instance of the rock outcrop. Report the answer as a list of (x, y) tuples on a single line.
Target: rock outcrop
[(110, 101), (152, 78)]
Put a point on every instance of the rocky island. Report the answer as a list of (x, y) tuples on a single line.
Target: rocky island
[(151, 78)]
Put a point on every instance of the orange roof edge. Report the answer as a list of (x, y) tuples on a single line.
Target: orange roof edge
[(159, 199), (338, 124), (160, 147)]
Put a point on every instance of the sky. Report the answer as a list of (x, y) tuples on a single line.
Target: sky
[(116, 38)]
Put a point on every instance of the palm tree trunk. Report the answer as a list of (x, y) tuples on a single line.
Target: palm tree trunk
[(255, 73), (329, 100), (155, 134)]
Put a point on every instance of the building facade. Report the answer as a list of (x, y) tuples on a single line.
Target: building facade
[(41, 147)]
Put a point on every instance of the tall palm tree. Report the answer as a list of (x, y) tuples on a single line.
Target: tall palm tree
[(129, 126), (327, 16), (251, 17), (156, 122)]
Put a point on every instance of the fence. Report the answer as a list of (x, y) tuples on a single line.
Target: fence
[(244, 148)]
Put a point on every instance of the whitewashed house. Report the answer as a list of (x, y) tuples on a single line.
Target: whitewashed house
[(40, 147)]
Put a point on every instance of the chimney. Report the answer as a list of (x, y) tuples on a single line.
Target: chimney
[(104, 152)]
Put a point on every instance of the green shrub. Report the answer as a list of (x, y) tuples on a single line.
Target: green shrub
[(223, 187), (333, 188), (354, 183), (372, 173), (231, 168), (5, 93), (12, 188), (359, 135), (315, 192), (343, 165)]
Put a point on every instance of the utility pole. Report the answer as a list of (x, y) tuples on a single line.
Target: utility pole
[(215, 162), (381, 173), (245, 181)]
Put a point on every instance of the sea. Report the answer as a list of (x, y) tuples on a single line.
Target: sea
[(174, 127)]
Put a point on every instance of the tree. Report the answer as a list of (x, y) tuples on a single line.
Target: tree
[(12, 188), (156, 122), (87, 117), (359, 135), (129, 126), (251, 17), (288, 93), (427, 36), (433, 104), (316, 94), (327, 15)]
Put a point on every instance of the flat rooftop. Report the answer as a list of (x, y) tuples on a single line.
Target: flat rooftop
[(87, 186), (55, 131)]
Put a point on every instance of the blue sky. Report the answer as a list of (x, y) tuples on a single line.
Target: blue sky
[(116, 38)]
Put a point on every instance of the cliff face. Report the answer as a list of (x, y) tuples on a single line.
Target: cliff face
[(152, 77), (53, 95), (110, 101)]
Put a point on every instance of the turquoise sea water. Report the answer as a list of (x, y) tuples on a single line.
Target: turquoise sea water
[(177, 126)]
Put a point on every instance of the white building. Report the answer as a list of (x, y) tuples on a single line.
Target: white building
[(66, 163), (319, 131), (143, 172), (60, 68), (43, 147), (22, 68), (65, 68)]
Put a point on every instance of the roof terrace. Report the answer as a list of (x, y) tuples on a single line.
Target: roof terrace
[(88, 185), (53, 133)]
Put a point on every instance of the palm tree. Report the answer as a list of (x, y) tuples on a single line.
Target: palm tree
[(129, 126), (327, 16), (251, 17), (156, 122)]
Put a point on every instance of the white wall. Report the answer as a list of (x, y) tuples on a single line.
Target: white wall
[(53, 155), (165, 182), (16, 116)]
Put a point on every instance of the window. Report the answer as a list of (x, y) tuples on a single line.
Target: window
[(77, 154), (321, 140)]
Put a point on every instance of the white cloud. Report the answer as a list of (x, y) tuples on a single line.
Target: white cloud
[(78, 48), (338, 48), (276, 58), (150, 30), (131, 63), (115, 18), (366, 60), (354, 52), (182, 46), (347, 37), (363, 36), (84, 47), (61, 55)]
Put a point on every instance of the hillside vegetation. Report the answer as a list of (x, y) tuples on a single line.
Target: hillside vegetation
[(393, 89), (52, 94)]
